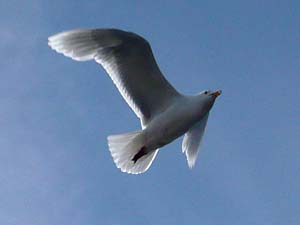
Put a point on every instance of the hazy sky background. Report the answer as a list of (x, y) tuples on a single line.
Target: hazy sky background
[(55, 115)]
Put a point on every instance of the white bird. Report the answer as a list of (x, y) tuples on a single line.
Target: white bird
[(165, 114)]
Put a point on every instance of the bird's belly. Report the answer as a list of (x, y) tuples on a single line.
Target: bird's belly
[(166, 128)]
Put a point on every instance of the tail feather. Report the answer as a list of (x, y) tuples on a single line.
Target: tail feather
[(124, 147)]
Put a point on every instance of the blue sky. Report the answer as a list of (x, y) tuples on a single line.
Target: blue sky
[(56, 113)]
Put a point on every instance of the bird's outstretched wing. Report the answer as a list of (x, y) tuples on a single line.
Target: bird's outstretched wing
[(192, 140), (129, 61)]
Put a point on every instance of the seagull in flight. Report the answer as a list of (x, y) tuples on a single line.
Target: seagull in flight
[(165, 114)]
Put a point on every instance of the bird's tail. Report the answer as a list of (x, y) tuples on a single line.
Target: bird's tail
[(125, 148)]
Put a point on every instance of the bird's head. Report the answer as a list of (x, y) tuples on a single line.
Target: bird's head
[(211, 94), (207, 98)]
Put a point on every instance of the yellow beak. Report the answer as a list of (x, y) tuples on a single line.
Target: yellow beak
[(216, 93)]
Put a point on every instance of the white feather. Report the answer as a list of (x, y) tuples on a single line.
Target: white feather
[(123, 148), (192, 140), (128, 60)]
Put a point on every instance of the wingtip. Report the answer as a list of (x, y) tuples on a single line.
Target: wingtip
[(191, 164)]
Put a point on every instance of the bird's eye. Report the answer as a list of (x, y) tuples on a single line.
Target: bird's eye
[(205, 92)]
